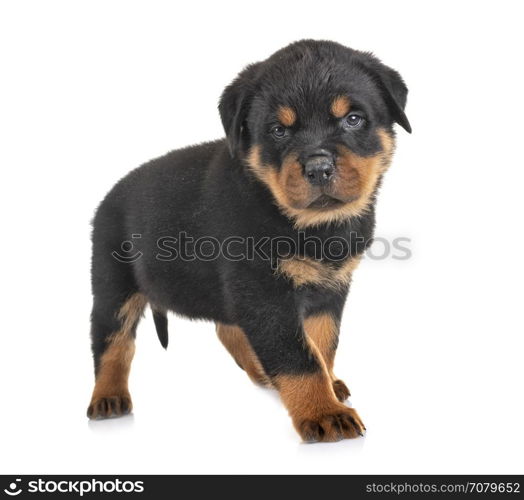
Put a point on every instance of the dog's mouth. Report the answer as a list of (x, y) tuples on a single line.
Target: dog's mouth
[(325, 202)]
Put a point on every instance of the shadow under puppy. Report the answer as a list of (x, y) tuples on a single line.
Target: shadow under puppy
[(309, 137)]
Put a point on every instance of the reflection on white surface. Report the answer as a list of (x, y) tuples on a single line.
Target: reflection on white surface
[(113, 424)]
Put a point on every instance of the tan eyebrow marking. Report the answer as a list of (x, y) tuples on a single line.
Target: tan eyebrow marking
[(286, 116), (340, 106)]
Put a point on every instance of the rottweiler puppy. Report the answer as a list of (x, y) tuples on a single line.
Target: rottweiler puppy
[(259, 232)]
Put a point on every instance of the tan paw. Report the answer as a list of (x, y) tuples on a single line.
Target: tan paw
[(110, 406), (333, 425), (341, 390)]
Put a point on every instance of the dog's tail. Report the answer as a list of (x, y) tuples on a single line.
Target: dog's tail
[(160, 319)]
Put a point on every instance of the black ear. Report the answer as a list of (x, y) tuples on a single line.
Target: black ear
[(392, 87), (234, 106)]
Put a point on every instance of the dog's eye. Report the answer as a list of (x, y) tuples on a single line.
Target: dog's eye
[(278, 131), (353, 120)]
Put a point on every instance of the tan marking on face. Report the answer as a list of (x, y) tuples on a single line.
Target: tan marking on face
[(306, 271), (287, 185), (295, 189), (355, 183), (286, 116), (115, 364), (235, 341), (340, 106)]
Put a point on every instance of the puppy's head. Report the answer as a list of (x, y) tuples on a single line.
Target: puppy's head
[(314, 123)]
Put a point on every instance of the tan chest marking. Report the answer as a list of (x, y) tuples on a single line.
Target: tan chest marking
[(306, 271)]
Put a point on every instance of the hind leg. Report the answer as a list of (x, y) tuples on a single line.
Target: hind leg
[(113, 325), (235, 341)]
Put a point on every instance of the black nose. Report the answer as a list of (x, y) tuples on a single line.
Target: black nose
[(319, 169)]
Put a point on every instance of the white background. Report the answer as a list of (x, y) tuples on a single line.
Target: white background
[(431, 347)]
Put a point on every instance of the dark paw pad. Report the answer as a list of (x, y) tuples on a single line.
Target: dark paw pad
[(342, 424), (111, 406)]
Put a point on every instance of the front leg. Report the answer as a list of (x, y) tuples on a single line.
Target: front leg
[(322, 329), (316, 413), (296, 369)]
